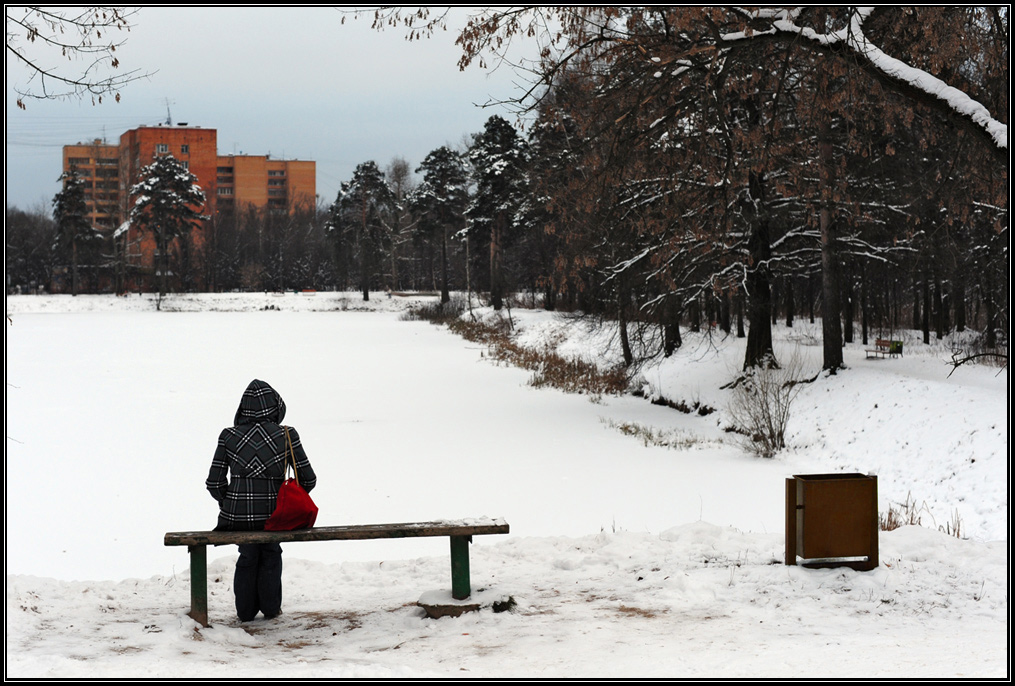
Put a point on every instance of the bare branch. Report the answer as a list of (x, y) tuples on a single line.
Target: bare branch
[(40, 39), (960, 358)]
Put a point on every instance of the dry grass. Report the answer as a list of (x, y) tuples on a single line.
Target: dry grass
[(636, 611), (548, 368), (908, 513), (649, 436), (901, 514)]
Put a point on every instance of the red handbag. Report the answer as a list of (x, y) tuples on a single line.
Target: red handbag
[(294, 508)]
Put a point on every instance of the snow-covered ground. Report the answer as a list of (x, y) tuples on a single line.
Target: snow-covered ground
[(626, 558)]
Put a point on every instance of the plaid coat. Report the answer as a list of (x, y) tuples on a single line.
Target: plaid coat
[(253, 454)]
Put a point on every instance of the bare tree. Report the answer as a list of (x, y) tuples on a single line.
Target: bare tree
[(399, 176), (40, 38), (760, 404)]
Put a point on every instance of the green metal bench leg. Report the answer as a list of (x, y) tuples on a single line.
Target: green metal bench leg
[(461, 587), (199, 583)]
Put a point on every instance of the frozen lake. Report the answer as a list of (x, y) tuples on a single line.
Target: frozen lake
[(112, 419)]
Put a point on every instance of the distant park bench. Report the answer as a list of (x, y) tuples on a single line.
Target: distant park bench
[(459, 531), (885, 347)]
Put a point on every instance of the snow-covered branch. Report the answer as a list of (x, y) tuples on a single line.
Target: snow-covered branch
[(915, 83)]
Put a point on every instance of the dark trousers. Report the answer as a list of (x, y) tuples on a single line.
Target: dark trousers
[(258, 581)]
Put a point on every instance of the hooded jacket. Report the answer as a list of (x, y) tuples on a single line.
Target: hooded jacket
[(250, 461)]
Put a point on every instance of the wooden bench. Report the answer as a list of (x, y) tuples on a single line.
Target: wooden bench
[(459, 531), (885, 347)]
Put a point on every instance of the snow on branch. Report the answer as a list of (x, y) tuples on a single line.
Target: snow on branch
[(852, 39)]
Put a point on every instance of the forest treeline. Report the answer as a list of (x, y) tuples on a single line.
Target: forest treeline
[(660, 180)]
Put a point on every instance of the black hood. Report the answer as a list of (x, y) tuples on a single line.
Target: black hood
[(260, 403)]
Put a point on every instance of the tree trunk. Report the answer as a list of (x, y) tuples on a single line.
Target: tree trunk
[(364, 254), (959, 299), (671, 328), (864, 306), (740, 316), (163, 267), (468, 274), (776, 292), (431, 267), (364, 275), (847, 310), (940, 312), (625, 343), (74, 266), (893, 304), (811, 296), (394, 267), (549, 295), (496, 277), (990, 338), (790, 305), (759, 304), (916, 303), (831, 330), (445, 292), (926, 310)]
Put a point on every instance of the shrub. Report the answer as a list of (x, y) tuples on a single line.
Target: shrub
[(760, 405), (437, 312), (696, 406)]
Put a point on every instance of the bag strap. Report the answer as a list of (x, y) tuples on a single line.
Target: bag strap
[(292, 454)]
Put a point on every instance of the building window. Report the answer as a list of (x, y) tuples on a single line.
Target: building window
[(225, 191), (276, 172), (184, 149), (161, 148), (185, 163)]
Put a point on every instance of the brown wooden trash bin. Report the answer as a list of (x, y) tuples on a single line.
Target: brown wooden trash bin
[(832, 520)]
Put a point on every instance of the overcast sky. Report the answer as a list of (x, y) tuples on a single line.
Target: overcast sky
[(292, 82)]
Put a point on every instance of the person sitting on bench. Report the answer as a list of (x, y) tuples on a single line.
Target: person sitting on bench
[(252, 453)]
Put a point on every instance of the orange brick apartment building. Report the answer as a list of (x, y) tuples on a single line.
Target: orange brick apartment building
[(230, 183)]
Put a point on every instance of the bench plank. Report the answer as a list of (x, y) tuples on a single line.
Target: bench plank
[(460, 532), (354, 532)]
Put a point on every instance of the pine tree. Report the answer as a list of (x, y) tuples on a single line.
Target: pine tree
[(359, 221), (168, 204), (497, 156), (74, 231), (439, 202), (28, 248)]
